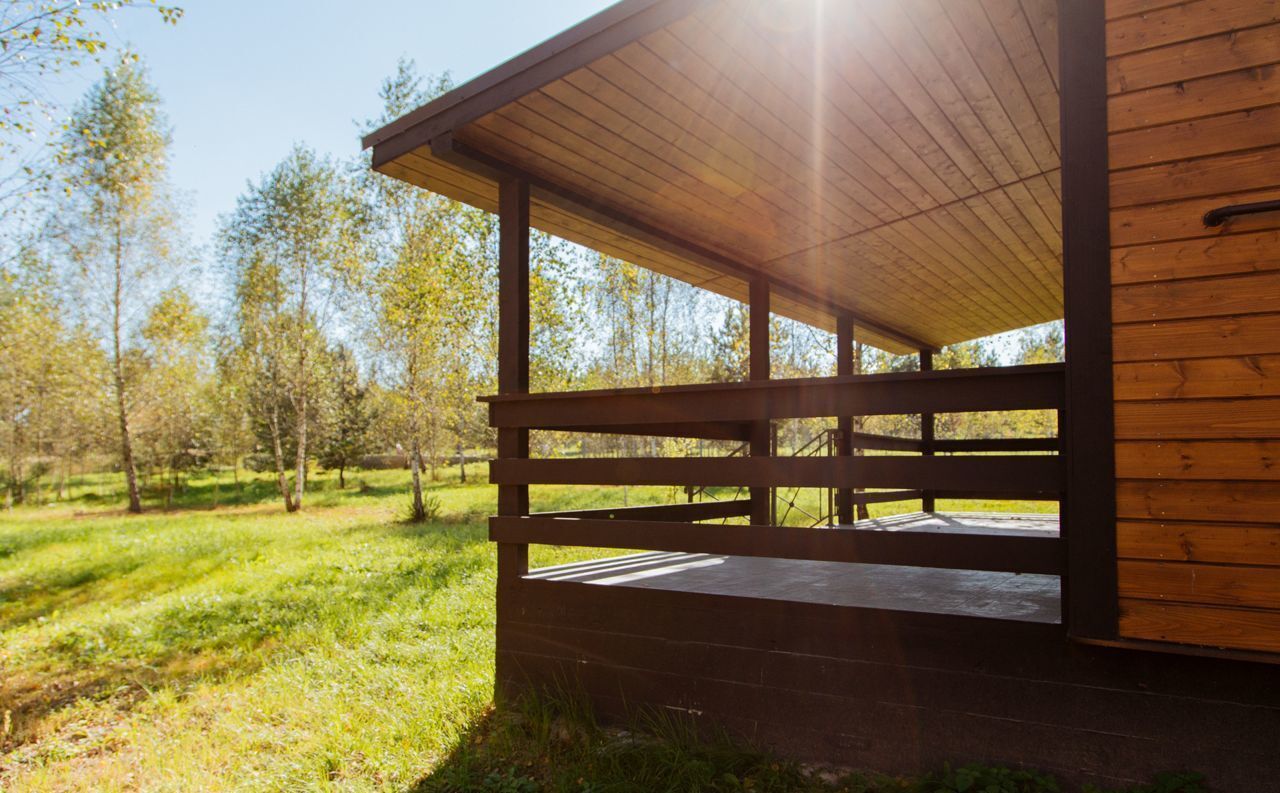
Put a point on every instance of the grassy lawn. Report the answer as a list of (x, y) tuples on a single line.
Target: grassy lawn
[(238, 647), (243, 647)]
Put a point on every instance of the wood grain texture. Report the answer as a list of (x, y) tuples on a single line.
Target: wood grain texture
[(1199, 542), (1123, 8), (1217, 337), (1228, 51), (1206, 584), (1207, 96), (1245, 129), (1231, 460), (1236, 295), (868, 156), (1251, 629), (1166, 261), (1184, 220), (1192, 419), (1242, 502), (1158, 24), (1257, 169), (1205, 378)]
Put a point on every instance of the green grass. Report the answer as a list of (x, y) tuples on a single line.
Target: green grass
[(237, 647), (241, 647)]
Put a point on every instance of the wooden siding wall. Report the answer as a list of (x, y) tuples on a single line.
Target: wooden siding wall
[(1194, 117)]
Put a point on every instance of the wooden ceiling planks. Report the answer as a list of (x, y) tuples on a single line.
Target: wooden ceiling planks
[(895, 160)]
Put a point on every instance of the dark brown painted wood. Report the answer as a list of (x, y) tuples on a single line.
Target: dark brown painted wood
[(997, 445), (699, 510), (951, 391), (887, 443), (1088, 511), (997, 495), (899, 691), (513, 353), (761, 431), (920, 549), (928, 501), (1010, 473), (706, 430), (845, 441)]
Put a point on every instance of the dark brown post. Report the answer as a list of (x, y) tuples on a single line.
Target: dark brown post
[(844, 448), (513, 354), (761, 497), (927, 500)]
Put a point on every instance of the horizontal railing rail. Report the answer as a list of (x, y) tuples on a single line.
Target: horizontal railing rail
[(1010, 473), (997, 445), (1003, 553), (708, 407), (695, 510), (897, 469)]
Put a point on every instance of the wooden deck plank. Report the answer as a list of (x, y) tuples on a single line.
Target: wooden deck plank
[(1007, 596)]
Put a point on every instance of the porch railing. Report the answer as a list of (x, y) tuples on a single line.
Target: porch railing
[(1016, 468)]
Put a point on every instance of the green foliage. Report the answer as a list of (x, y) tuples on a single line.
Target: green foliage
[(985, 779), (731, 346), (347, 417), (508, 781), (1164, 783), (47, 369), (39, 41), (294, 246), (343, 648), (430, 509)]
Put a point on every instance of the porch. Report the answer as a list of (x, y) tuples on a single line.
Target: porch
[(1028, 597)]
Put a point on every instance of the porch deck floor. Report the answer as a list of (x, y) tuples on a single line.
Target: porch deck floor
[(976, 593)]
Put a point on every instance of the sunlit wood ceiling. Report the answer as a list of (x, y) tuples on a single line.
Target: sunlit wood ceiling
[(897, 160)]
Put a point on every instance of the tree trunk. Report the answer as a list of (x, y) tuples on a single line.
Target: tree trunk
[(301, 382), (415, 465), (17, 486), (342, 480), (281, 481), (300, 470), (126, 440), (462, 463), (433, 451)]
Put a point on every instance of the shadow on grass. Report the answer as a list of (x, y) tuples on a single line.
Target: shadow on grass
[(553, 744)]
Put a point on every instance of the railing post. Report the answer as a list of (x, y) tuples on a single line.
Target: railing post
[(928, 503), (844, 366), (513, 355), (761, 497)]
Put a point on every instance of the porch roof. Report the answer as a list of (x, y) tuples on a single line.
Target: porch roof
[(896, 161)]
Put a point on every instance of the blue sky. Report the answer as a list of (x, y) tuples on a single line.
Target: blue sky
[(242, 80)]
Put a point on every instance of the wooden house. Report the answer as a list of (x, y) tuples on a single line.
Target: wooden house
[(910, 175)]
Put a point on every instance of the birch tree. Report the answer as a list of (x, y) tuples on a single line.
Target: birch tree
[(118, 225), (293, 245), (41, 40), (44, 394)]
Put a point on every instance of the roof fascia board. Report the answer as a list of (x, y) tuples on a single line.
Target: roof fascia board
[(588, 41)]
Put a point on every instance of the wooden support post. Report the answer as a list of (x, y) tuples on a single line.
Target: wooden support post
[(927, 500), (844, 448), (761, 497), (513, 355)]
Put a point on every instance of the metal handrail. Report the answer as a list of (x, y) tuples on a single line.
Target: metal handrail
[(1216, 217)]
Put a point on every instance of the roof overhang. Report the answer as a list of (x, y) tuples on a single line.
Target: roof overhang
[(893, 162)]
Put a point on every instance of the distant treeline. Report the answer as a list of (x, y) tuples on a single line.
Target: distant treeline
[(340, 318)]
